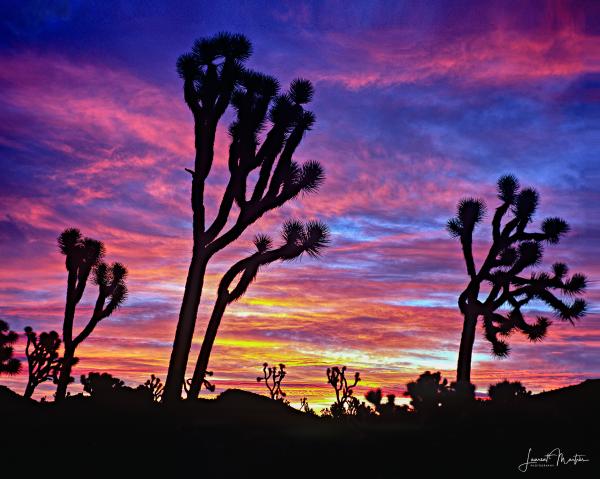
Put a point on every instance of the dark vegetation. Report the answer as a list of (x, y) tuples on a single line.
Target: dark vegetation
[(124, 425), (8, 364), (445, 429)]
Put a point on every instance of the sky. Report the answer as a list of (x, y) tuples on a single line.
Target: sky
[(418, 104)]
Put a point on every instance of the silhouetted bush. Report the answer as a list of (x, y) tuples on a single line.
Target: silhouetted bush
[(101, 384), (386, 409), (8, 364), (104, 387), (431, 393), (507, 392)]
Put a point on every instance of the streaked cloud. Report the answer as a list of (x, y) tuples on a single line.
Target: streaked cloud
[(416, 107)]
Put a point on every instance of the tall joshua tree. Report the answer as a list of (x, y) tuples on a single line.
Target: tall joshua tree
[(43, 358), (213, 78), (513, 250), (297, 239), (84, 257), (8, 364)]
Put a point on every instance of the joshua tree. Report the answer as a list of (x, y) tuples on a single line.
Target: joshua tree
[(507, 392), (155, 386), (213, 77), (344, 401), (42, 358), (83, 257), (8, 364), (512, 251), (275, 376), (297, 239)]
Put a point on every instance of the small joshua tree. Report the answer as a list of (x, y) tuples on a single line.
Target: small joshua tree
[(304, 407), (513, 250), (43, 358), (345, 403), (273, 376), (507, 392), (298, 238), (155, 386), (8, 364), (84, 257), (214, 77)]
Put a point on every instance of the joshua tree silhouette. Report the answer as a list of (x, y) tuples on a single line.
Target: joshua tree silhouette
[(213, 77), (43, 358), (512, 251), (155, 386), (345, 403), (297, 239), (84, 256), (8, 364), (275, 376)]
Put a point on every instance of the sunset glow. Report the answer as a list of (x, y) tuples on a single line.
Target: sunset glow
[(417, 105)]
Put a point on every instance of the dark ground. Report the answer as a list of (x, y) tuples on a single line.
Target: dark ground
[(241, 434)]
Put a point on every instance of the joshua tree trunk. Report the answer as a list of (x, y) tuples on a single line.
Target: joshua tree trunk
[(65, 373), (65, 369), (185, 327), (467, 339), (29, 390), (207, 344)]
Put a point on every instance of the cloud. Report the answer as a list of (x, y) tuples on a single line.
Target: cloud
[(416, 108)]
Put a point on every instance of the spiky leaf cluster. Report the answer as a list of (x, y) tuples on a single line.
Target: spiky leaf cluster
[(82, 255), (112, 286)]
